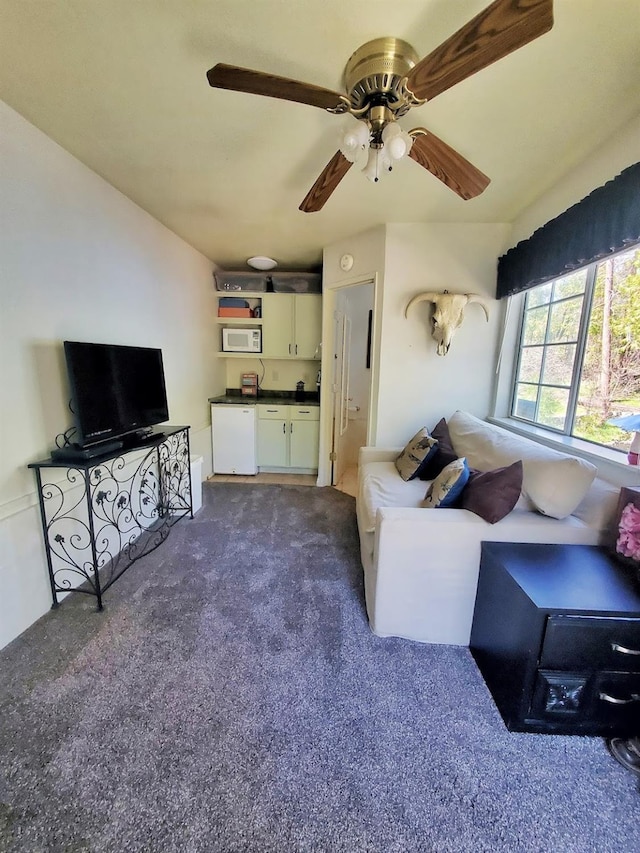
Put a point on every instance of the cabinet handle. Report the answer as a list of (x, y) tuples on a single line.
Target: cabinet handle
[(623, 650), (284, 427), (291, 427), (289, 349), (296, 349), (635, 697)]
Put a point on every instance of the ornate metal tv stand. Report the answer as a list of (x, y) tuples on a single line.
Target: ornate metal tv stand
[(112, 509)]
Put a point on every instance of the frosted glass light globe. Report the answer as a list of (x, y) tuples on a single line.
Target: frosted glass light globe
[(397, 147), (353, 140), (390, 130)]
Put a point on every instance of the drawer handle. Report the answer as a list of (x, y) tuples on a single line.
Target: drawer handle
[(272, 411), (635, 697), (623, 650)]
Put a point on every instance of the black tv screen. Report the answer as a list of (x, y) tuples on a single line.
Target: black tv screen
[(114, 389)]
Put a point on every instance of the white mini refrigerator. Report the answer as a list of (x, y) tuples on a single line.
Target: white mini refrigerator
[(233, 433)]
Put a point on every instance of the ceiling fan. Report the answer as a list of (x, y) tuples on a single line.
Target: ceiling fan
[(385, 78)]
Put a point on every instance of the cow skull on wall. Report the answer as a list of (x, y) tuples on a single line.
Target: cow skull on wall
[(448, 314)]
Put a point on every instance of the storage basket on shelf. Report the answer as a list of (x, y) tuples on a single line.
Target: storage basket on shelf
[(297, 282), (237, 281)]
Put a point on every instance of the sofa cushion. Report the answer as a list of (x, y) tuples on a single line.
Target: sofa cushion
[(447, 486), (416, 454), (493, 494), (381, 485), (443, 455), (555, 482)]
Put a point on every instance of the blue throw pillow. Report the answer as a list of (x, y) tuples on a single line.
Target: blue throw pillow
[(448, 485)]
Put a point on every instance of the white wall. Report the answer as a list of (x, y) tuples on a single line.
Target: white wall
[(78, 260), (273, 374), (618, 152), (411, 385), (367, 251), (416, 386)]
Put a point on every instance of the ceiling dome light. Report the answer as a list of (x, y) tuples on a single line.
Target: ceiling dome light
[(260, 262)]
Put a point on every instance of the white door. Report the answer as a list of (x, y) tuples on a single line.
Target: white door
[(341, 403), (352, 375)]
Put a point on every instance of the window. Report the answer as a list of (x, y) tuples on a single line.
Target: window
[(579, 355)]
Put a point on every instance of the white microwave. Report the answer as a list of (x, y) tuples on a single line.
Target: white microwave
[(241, 340)]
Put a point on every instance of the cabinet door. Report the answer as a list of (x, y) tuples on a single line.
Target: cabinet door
[(272, 443), (303, 444), (277, 325), (307, 325)]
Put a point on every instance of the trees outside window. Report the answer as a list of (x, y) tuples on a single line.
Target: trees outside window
[(579, 355)]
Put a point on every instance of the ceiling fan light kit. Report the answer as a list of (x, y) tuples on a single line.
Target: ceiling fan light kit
[(384, 79), (384, 147)]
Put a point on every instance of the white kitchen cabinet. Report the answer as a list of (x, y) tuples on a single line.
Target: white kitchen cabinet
[(288, 436), (291, 325), (233, 436), (273, 436), (304, 439)]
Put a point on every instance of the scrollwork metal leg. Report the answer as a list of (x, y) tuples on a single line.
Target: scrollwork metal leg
[(47, 549), (92, 538), (109, 514)]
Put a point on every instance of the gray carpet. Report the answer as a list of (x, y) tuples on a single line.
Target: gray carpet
[(232, 698)]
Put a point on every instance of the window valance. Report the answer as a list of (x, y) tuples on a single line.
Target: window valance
[(603, 223)]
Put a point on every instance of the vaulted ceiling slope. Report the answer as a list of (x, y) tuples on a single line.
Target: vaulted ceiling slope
[(123, 87)]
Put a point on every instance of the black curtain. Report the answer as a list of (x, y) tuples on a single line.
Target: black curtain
[(603, 223)]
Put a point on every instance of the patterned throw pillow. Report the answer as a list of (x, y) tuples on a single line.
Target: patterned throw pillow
[(416, 454), (448, 485), (444, 454)]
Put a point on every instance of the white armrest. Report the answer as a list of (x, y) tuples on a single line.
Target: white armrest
[(378, 454)]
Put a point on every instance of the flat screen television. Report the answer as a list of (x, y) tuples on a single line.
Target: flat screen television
[(115, 390)]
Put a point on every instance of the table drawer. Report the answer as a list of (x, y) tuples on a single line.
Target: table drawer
[(590, 643), (279, 413), (587, 702)]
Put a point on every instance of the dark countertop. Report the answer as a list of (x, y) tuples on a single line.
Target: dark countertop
[(266, 398)]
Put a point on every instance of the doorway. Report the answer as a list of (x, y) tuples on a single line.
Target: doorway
[(351, 380)]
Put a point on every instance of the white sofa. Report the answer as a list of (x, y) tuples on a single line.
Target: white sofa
[(421, 565)]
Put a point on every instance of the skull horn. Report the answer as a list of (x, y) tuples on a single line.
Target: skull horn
[(422, 297), (473, 297)]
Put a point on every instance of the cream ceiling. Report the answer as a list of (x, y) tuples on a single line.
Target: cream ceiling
[(121, 85)]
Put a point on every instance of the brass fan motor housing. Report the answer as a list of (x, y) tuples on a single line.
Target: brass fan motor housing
[(378, 68)]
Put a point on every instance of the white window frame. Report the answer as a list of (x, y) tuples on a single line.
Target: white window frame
[(612, 464), (580, 343)]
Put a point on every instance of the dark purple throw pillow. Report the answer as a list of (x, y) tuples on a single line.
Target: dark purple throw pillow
[(444, 454), (493, 494)]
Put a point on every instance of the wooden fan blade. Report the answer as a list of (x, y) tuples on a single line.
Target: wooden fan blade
[(328, 180), (223, 76), (501, 28), (448, 166)]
